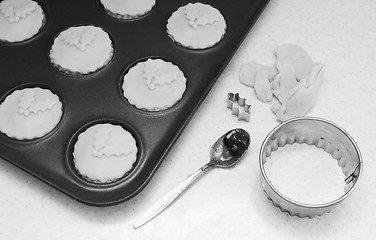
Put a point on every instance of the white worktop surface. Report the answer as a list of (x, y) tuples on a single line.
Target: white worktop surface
[(230, 204)]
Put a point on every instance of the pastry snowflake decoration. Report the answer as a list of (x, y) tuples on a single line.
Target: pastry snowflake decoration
[(28, 105), (153, 77), (103, 147), (81, 40), (14, 10), (197, 17)]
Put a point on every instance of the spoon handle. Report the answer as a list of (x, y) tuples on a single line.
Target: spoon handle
[(168, 198)]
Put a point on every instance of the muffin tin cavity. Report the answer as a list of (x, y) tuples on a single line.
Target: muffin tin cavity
[(127, 9), (99, 99), (103, 152), (81, 50), (20, 20), (30, 113), (154, 84), (196, 26)]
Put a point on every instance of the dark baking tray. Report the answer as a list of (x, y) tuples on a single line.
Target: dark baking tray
[(98, 97)]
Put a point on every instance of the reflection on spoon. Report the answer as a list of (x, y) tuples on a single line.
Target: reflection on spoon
[(225, 152)]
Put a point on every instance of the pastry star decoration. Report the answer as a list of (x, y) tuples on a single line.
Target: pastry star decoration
[(27, 104), (15, 10), (198, 18), (154, 77), (101, 147), (81, 40)]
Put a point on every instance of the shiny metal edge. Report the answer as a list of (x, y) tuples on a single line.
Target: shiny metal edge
[(294, 208)]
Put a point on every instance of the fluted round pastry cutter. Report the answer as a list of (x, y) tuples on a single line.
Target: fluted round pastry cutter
[(322, 134)]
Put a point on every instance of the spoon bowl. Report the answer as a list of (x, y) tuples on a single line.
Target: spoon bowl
[(229, 148)]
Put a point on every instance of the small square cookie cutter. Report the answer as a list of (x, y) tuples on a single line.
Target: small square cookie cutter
[(322, 134), (235, 99)]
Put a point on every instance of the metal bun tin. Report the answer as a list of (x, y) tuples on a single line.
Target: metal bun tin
[(97, 97)]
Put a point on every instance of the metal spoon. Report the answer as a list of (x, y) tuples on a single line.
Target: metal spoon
[(225, 152)]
